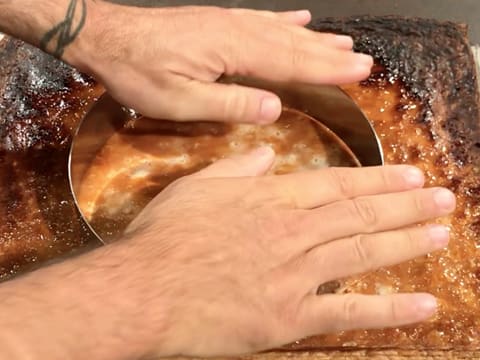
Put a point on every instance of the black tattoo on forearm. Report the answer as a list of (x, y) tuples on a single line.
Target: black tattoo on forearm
[(65, 32)]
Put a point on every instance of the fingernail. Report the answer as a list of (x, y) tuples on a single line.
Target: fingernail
[(344, 40), (444, 199), (425, 305), (414, 177), (270, 109), (439, 235)]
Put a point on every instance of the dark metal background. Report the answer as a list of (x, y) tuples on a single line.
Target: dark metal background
[(466, 11)]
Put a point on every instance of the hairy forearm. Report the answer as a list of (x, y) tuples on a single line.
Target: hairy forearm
[(78, 309), (86, 308), (56, 26)]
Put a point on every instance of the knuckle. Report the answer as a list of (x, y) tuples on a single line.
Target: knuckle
[(361, 251), (411, 241), (342, 182), (385, 177), (365, 210), (350, 309), (235, 104), (229, 43), (418, 202)]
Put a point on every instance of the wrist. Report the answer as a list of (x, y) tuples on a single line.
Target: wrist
[(83, 52), (67, 29)]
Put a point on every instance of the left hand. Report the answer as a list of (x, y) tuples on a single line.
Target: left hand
[(165, 62)]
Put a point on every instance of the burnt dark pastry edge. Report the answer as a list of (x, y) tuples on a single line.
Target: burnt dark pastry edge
[(38, 97), (433, 60), (34, 87)]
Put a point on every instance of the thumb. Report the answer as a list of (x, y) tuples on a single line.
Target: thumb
[(255, 163), (230, 103)]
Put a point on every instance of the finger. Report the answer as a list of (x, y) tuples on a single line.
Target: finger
[(230, 103), (338, 41), (255, 163), (363, 253), (296, 17), (342, 42), (333, 313), (298, 58), (311, 65), (301, 18), (317, 188), (376, 213)]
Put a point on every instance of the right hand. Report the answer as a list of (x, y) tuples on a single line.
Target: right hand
[(229, 260)]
